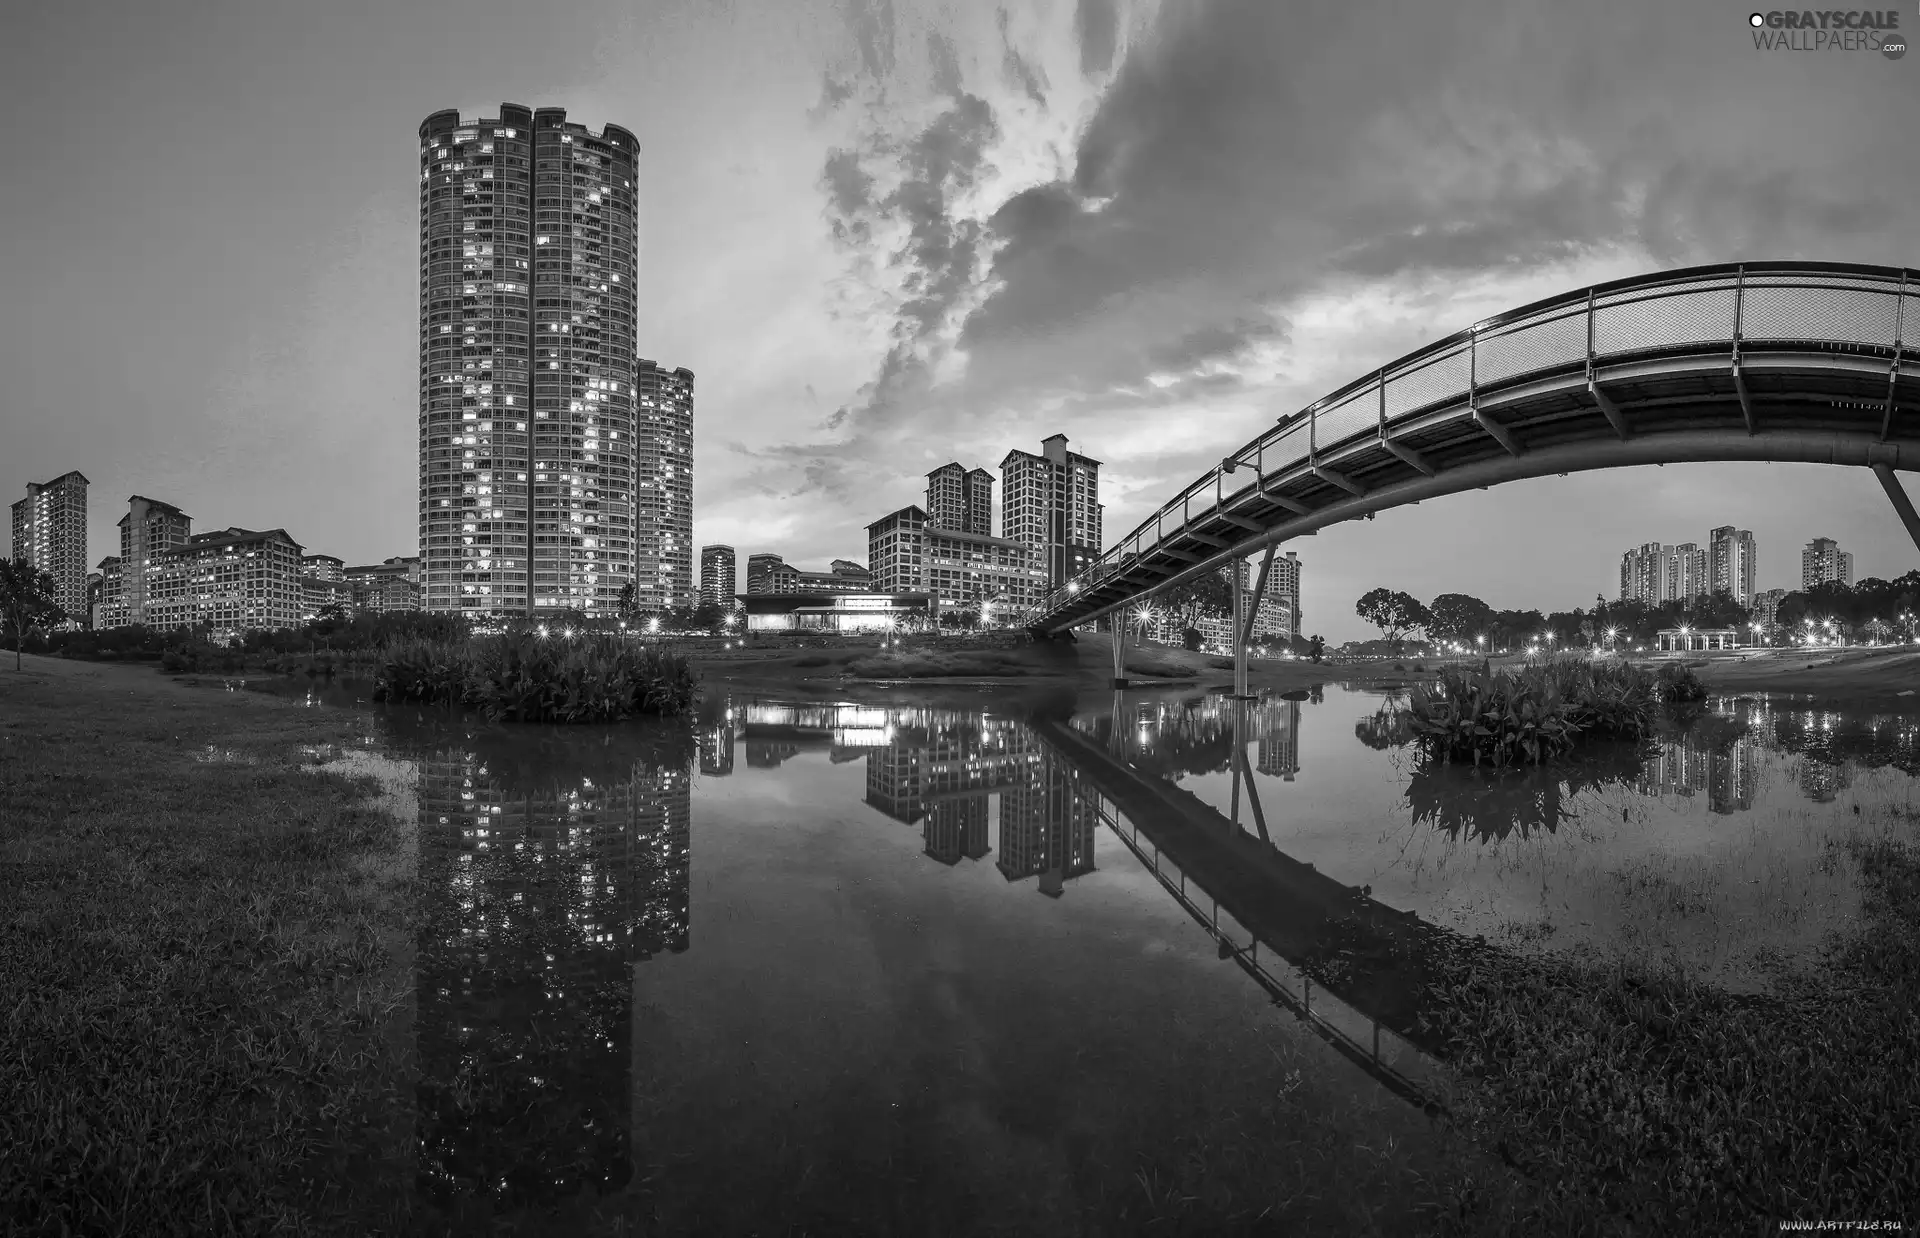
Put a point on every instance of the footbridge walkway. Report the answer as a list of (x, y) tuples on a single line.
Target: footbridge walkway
[(1785, 361)]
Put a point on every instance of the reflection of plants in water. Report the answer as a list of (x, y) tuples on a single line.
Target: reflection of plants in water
[(1492, 804), (1387, 727)]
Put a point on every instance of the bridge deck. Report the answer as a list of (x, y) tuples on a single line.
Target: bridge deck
[(1775, 361)]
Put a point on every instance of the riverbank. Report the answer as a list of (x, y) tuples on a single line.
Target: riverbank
[(202, 948), (1888, 676), (1638, 1100)]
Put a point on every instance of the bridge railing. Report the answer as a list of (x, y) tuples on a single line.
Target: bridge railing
[(1753, 307)]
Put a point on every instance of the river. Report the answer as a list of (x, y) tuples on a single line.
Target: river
[(849, 964)]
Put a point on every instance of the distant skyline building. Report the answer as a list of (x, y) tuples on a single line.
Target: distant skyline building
[(719, 576), (769, 573), (1656, 574), (663, 527), (1734, 564), (50, 532), (1823, 561), (386, 587), (527, 431), (1766, 605), (1051, 502)]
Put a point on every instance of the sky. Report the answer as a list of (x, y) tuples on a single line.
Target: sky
[(885, 235)]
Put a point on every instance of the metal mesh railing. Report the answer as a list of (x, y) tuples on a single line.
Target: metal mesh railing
[(1870, 309), (1532, 347)]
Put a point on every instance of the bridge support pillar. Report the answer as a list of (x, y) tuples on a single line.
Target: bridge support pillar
[(1120, 647), (1901, 503)]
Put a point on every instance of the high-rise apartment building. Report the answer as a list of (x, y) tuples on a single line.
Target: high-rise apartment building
[(663, 467), (528, 257), (1643, 574), (1735, 562), (149, 530), (769, 573), (1657, 574), (1824, 561), (1051, 502), (719, 576), (960, 500), (50, 532), (1279, 605), (980, 502), (1686, 571), (947, 505)]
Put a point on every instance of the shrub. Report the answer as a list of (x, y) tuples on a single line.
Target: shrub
[(1532, 713), (1679, 685), (524, 678)]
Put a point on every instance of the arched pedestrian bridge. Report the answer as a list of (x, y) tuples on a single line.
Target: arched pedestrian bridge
[(1798, 361)]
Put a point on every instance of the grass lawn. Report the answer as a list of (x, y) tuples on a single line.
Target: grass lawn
[(198, 945)]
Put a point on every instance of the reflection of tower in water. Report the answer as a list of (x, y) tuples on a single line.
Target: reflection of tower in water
[(1278, 727), (1047, 826), (956, 829), (716, 747), (942, 771), (538, 898)]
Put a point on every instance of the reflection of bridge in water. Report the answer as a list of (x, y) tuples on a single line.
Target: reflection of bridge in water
[(1348, 966)]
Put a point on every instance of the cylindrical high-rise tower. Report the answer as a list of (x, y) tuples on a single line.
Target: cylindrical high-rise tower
[(528, 254)]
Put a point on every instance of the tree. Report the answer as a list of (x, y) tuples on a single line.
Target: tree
[(1393, 612), (26, 598), (1209, 594), (624, 606), (1458, 616), (1316, 647)]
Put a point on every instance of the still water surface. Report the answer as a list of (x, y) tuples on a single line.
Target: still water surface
[(851, 965)]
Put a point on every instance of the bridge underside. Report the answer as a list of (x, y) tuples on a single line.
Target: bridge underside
[(1788, 406)]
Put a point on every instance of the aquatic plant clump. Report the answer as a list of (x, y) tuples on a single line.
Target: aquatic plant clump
[(1679, 685), (525, 678), (1533, 713)]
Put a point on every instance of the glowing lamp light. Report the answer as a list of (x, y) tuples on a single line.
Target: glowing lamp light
[(653, 624)]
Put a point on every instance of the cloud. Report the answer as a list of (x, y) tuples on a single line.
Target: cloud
[(1028, 77), (872, 25), (1096, 28), (1248, 158)]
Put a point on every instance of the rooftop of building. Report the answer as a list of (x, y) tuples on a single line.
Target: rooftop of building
[(521, 116), (69, 475), (234, 535), (912, 511)]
